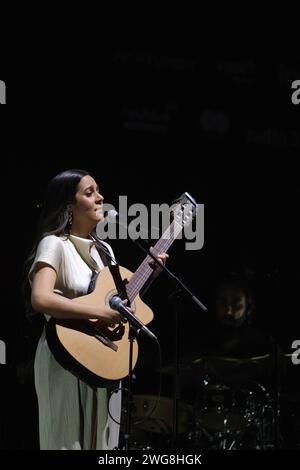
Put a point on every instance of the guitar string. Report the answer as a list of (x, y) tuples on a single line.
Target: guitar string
[(162, 245), (138, 279)]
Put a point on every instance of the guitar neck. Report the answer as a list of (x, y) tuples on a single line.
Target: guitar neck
[(144, 271)]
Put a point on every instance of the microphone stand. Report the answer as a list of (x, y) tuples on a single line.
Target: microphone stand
[(181, 288), (174, 298), (131, 337), (180, 285)]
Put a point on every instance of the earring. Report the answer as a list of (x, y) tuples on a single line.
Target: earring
[(70, 220)]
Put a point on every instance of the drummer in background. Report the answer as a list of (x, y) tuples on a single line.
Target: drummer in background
[(232, 315), (231, 348)]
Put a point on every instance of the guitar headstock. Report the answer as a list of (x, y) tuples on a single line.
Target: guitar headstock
[(184, 209)]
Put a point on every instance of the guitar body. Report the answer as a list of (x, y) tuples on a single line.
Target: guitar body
[(81, 352)]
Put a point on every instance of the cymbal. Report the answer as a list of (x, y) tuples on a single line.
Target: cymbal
[(289, 356), (202, 364), (185, 366), (234, 360), (259, 358), (233, 369), (205, 359)]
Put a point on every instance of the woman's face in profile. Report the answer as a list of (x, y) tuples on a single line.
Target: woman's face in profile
[(89, 202), (231, 303)]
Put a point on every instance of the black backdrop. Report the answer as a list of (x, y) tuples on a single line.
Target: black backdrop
[(154, 101)]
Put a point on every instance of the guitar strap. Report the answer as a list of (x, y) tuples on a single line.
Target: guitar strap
[(119, 283), (114, 271), (106, 260), (113, 268)]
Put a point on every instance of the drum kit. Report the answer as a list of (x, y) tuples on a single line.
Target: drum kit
[(234, 404)]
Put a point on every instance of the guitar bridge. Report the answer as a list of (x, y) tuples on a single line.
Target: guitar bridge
[(105, 340)]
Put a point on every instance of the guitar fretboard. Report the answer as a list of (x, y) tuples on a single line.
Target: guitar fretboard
[(144, 271)]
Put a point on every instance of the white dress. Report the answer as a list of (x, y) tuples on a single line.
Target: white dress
[(72, 415)]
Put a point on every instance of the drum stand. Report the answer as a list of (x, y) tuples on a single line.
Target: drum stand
[(223, 440)]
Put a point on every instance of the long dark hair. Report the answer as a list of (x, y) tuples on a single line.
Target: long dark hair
[(54, 218)]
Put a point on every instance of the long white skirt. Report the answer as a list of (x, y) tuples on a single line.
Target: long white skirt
[(73, 415)]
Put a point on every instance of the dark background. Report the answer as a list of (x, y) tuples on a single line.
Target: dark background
[(154, 100)]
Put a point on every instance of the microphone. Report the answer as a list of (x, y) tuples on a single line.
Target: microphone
[(116, 304), (113, 217)]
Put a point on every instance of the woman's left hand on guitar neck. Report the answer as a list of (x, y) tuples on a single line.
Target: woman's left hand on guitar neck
[(162, 257)]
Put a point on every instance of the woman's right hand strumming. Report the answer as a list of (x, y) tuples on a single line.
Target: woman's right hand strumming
[(111, 317)]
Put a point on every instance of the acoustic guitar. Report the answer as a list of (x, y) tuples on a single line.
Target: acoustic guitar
[(80, 346)]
